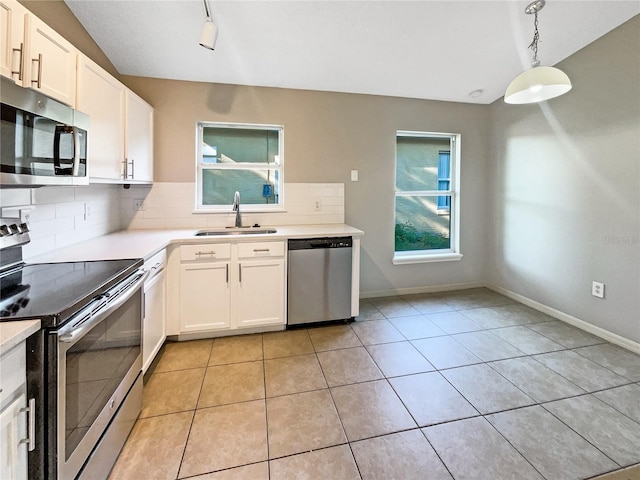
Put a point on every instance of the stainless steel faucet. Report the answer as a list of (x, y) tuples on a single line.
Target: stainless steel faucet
[(236, 208)]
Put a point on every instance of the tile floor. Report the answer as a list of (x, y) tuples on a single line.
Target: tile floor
[(464, 385)]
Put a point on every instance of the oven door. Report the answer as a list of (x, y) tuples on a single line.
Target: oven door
[(99, 359)]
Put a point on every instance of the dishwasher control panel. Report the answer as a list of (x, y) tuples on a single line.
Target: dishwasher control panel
[(325, 242)]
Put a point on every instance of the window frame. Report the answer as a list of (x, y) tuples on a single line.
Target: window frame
[(250, 166), (433, 255)]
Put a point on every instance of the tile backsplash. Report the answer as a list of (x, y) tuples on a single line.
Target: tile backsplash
[(62, 216), (171, 205)]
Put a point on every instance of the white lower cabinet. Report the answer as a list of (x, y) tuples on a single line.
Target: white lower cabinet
[(13, 429), (13, 415), (205, 300), (260, 292), (154, 322), (231, 286)]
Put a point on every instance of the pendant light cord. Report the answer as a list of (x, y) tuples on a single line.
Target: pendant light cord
[(206, 8), (534, 43)]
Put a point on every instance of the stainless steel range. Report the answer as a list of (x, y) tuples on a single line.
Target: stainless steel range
[(84, 366)]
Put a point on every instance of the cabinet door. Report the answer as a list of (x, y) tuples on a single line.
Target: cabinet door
[(13, 429), (153, 329), (205, 301), (51, 62), (139, 139), (102, 97), (12, 16), (260, 293)]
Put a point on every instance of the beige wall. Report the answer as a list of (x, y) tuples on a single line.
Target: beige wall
[(565, 193), (326, 135)]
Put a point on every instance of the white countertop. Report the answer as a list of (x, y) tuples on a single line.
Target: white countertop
[(12, 333), (145, 243)]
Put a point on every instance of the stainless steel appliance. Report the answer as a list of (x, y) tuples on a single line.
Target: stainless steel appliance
[(84, 366), (44, 142), (319, 280)]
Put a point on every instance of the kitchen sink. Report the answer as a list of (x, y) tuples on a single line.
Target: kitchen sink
[(235, 231)]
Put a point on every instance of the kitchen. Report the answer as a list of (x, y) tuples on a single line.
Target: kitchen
[(506, 240)]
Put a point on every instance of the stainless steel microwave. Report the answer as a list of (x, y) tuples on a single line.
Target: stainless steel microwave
[(42, 141)]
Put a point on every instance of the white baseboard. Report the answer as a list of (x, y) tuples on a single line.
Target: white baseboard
[(571, 320), (427, 289)]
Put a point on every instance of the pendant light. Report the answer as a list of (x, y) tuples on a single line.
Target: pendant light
[(209, 33), (538, 83)]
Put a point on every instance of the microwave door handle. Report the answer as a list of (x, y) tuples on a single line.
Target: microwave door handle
[(56, 148), (70, 334), (76, 151)]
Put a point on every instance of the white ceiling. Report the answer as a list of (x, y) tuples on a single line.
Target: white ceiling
[(440, 50)]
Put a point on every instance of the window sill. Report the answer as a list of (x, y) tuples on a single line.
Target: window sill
[(407, 259)]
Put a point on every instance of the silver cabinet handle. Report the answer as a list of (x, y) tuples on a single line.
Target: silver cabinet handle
[(227, 265), (19, 72), (240, 272), (256, 250), (125, 169), (133, 166), (31, 424), (210, 252), (38, 82)]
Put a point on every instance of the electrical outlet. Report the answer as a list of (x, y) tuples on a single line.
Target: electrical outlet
[(354, 175), (597, 289), (317, 204), (138, 205)]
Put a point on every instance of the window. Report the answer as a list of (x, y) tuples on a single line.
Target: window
[(242, 158), (426, 197)]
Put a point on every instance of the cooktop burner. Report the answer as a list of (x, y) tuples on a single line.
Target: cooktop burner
[(52, 291)]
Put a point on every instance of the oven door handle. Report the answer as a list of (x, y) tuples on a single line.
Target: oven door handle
[(72, 333)]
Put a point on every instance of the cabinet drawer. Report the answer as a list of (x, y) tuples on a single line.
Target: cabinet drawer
[(211, 251), (261, 249), (13, 370)]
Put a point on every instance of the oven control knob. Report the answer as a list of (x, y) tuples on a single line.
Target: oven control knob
[(4, 231), (24, 228), (13, 229)]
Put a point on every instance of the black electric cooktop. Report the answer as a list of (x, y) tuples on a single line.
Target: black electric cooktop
[(52, 292)]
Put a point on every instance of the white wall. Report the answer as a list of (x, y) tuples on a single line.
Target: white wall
[(171, 205), (62, 216), (565, 189)]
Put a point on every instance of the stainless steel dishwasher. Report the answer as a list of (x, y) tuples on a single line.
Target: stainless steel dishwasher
[(319, 280)]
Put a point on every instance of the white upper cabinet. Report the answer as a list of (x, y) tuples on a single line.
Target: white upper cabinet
[(120, 141), (34, 55), (12, 48), (120, 146), (139, 139), (102, 97), (50, 62)]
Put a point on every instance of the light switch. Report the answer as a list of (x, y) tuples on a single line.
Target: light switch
[(354, 175)]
